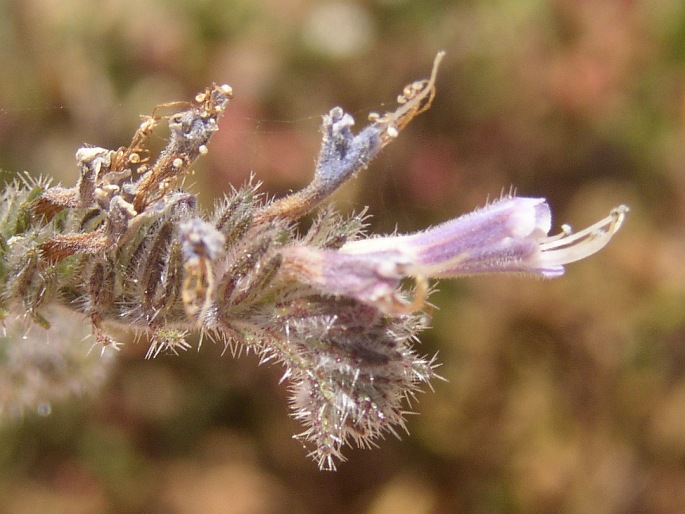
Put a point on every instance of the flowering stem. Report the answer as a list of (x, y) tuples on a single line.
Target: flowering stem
[(125, 246)]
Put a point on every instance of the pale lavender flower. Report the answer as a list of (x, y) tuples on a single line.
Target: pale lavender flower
[(509, 235)]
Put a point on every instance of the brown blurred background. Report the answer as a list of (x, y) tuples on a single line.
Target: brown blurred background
[(561, 396)]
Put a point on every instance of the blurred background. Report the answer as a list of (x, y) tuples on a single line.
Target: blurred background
[(561, 396)]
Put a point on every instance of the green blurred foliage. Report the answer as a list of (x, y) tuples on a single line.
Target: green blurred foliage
[(561, 396)]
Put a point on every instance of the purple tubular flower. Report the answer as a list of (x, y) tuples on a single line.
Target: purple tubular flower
[(509, 235)]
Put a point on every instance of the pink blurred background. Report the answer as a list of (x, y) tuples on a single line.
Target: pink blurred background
[(561, 396)]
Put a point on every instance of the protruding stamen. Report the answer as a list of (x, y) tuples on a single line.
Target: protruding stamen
[(570, 247)]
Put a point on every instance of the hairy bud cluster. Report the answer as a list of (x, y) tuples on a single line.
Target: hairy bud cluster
[(125, 246)]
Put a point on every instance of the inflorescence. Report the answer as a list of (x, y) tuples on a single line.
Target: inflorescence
[(126, 246)]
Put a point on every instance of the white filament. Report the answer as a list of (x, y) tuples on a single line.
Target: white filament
[(570, 247)]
